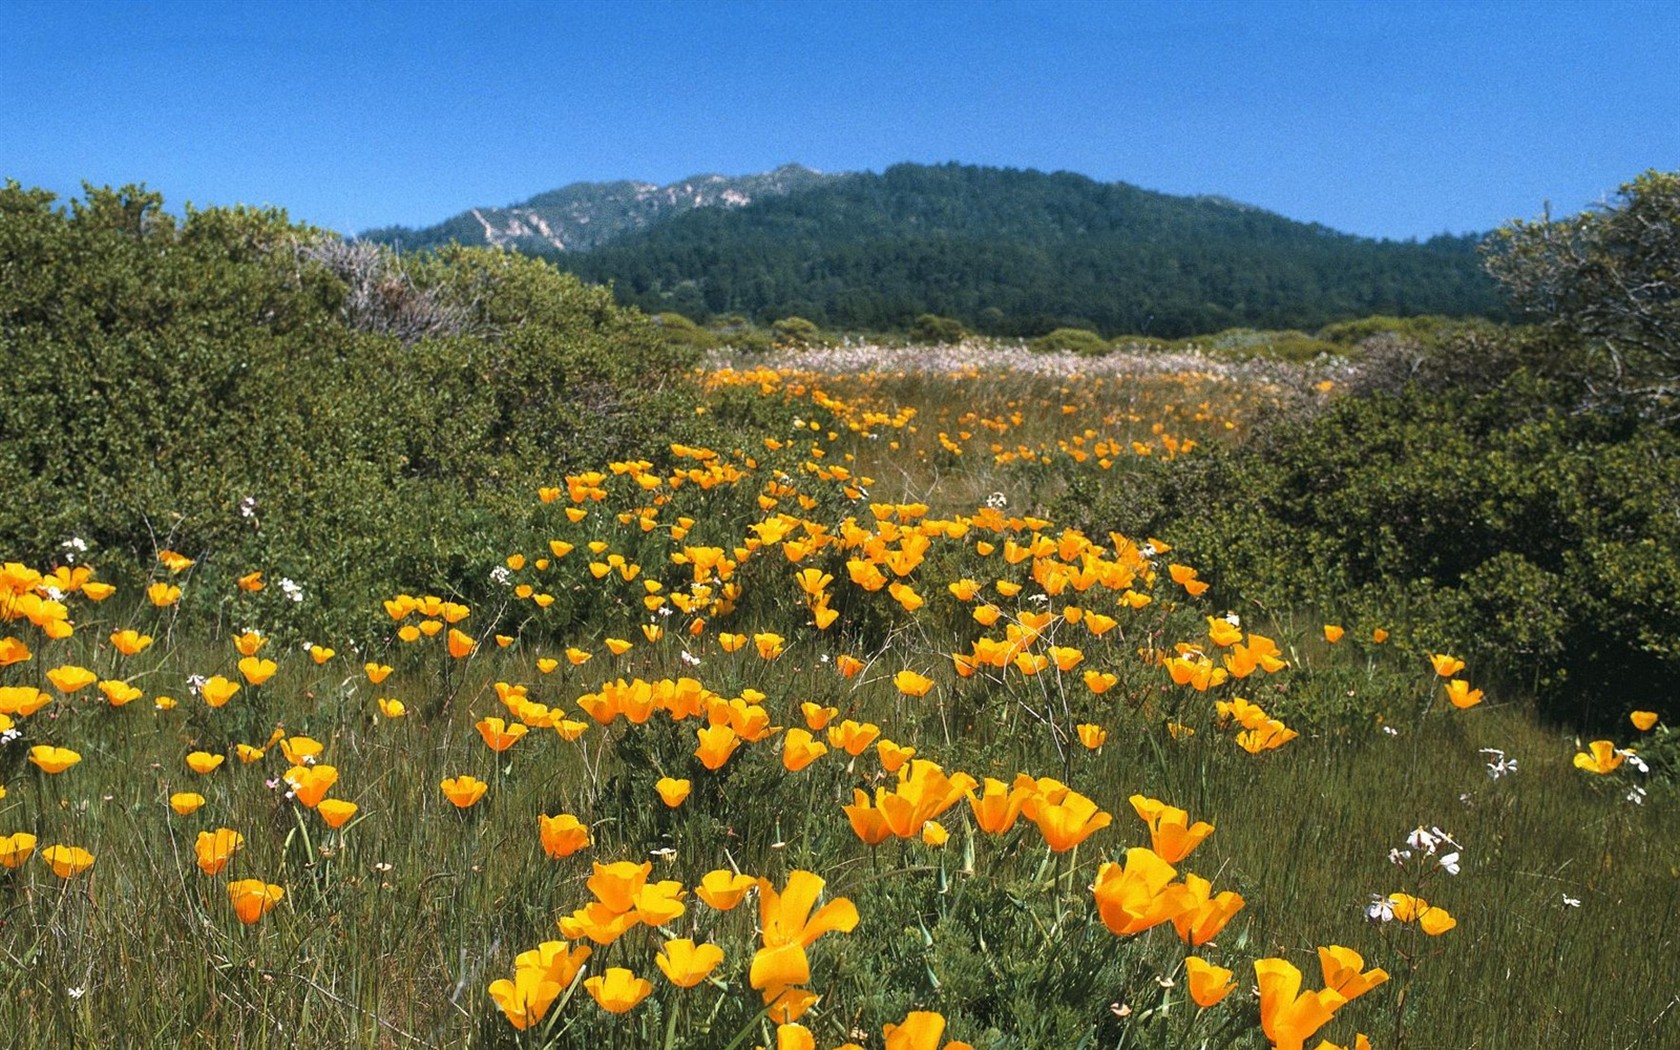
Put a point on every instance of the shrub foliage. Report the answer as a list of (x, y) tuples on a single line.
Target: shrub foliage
[(259, 394)]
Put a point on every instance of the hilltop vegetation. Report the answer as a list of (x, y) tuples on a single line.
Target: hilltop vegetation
[(1019, 253)]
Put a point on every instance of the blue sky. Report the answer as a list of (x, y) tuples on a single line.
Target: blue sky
[(1395, 119)]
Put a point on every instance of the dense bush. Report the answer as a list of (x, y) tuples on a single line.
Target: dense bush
[(936, 330), (1488, 517), (1070, 340), (1604, 282), (255, 394)]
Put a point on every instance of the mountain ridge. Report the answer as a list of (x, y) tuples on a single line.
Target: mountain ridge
[(1005, 251), (581, 216)]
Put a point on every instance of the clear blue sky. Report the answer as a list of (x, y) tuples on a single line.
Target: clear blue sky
[(1392, 119)]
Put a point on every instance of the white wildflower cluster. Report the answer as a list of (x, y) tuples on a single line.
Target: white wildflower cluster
[(1381, 908), (997, 501), (291, 589), (72, 547), (248, 507), (502, 576), (689, 658), (195, 683), (1428, 842), (1498, 765)]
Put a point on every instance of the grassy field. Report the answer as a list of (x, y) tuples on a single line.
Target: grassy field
[(870, 548)]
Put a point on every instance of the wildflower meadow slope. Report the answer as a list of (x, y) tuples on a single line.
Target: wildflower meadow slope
[(809, 726)]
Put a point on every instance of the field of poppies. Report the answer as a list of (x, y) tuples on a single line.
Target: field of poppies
[(825, 735)]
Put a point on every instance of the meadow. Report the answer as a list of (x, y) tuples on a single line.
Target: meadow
[(813, 727)]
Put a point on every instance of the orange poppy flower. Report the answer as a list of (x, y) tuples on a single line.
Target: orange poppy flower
[(185, 803), (128, 641), (912, 684), (53, 759), (217, 690), (67, 861), (253, 898), (257, 670), (563, 835), (1208, 983), (216, 848), (16, 848), (464, 791), (723, 889), (310, 784), (618, 990), (673, 792), (498, 735), (204, 761), (336, 812), (717, 743), (685, 964)]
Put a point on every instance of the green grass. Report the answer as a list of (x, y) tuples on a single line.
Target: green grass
[(391, 930)]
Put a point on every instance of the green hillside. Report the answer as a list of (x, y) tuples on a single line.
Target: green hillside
[(1021, 252)]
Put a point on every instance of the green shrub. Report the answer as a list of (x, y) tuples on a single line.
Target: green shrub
[(795, 333), (1541, 543), (244, 390), (937, 331), (1070, 340), (680, 331)]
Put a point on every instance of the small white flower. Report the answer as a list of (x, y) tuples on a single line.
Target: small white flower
[(1500, 765), (1636, 796), (195, 683), (1422, 839), (1634, 760), (1391, 731), (75, 993), (1449, 862), (1381, 909), (54, 593), (689, 658), (1399, 856), (248, 507), (291, 589), (1571, 902), (1233, 619), (501, 575)]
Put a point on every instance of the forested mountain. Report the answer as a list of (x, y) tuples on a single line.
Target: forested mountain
[(1012, 252), (586, 215)]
